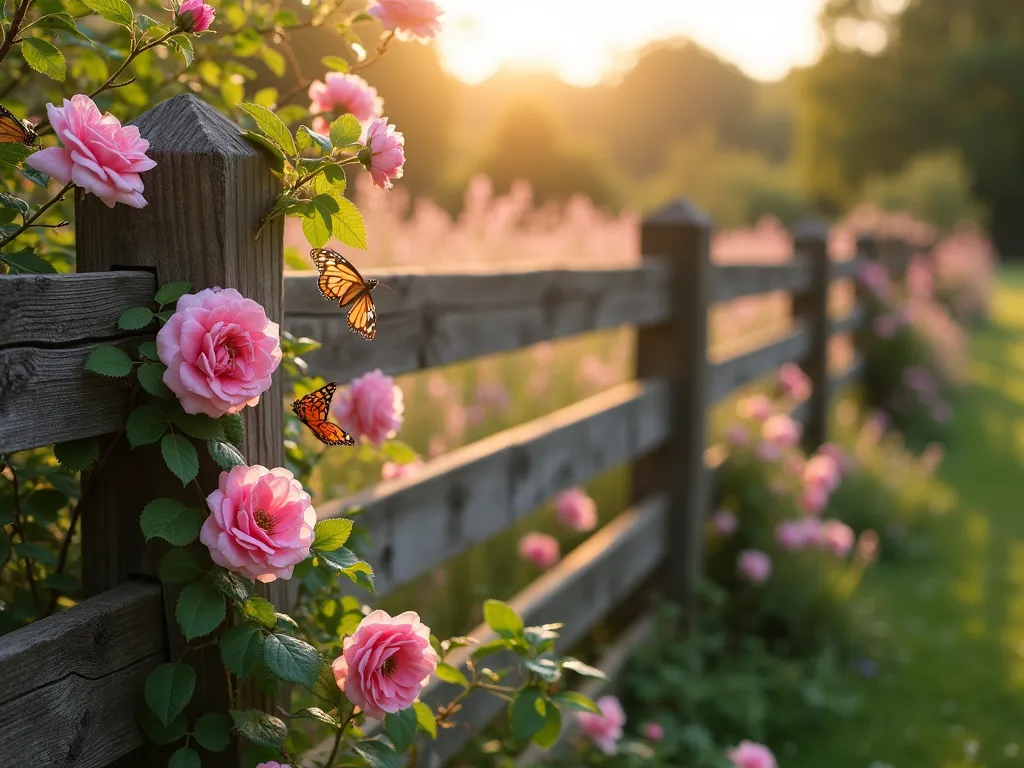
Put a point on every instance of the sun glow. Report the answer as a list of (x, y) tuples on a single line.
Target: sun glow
[(584, 40)]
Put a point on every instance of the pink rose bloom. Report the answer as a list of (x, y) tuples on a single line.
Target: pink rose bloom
[(98, 155), (875, 279), (540, 549), (220, 350), (791, 535), (371, 407), (385, 663), (837, 537), (814, 499), (738, 436), (393, 471), (194, 16), (781, 431), (261, 522), (410, 19), (795, 465), (766, 451), (273, 764), (654, 733), (838, 455), (604, 730), (343, 93), (822, 471), (384, 153), (724, 522), (749, 754), (755, 566), (757, 407), (793, 382), (576, 510)]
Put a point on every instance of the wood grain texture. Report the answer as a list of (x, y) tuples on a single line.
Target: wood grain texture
[(46, 396), (439, 318), (63, 309), (466, 496), (735, 371), (810, 308), (731, 281), (206, 196), (72, 682)]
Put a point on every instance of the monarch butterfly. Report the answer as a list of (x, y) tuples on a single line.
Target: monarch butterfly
[(340, 280), (15, 131), (312, 410)]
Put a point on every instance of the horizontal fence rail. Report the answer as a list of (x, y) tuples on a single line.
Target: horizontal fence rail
[(732, 281), (729, 374)]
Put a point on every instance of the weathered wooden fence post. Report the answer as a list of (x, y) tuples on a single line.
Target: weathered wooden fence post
[(206, 196), (681, 234), (810, 240)]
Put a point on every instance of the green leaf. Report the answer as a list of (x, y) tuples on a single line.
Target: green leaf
[(425, 719), (272, 127), (108, 361), (345, 130), (332, 534), (546, 737), (30, 550), (398, 452), (502, 618), (449, 674), (334, 175), (575, 702), (377, 754), (61, 21), (199, 426), (200, 609), (183, 45), (135, 319), (76, 455), (144, 22), (260, 728), (527, 713), (317, 714), (178, 566), (234, 429), (583, 669), (362, 576), (114, 11), (258, 609), (171, 292), (317, 226), (168, 689), (14, 203), (316, 138), (28, 263), (292, 659), (326, 687), (156, 731), (151, 377), (546, 669), (232, 586), (338, 559), (172, 521), (44, 58), (38, 178), (145, 425), (274, 60), (148, 350), (264, 143), (225, 454), (241, 649), (181, 457), (348, 225), (43, 504), (401, 728), (212, 731), (335, 63), (185, 758), (62, 582)]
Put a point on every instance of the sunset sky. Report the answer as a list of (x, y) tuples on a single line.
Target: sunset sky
[(763, 37)]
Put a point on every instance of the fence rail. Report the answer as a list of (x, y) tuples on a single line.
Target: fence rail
[(72, 681)]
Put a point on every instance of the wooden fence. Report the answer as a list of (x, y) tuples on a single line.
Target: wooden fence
[(72, 682)]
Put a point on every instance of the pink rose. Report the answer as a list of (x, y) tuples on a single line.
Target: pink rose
[(220, 350), (393, 471), (371, 408), (384, 153), (194, 16), (781, 431), (261, 522), (793, 382), (654, 733), (837, 537), (875, 279), (410, 19), (605, 729), (766, 451), (341, 94), (98, 155), (756, 407), (813, 500), (795, 464), (738, 436), (755, 566), (724, 522), (540, 549), (750, 754), (576, 510), (385, 663), (791, 535), (838, 455), (822, 471), (273, 764)]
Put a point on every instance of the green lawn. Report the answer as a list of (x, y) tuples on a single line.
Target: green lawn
[(948, 625)]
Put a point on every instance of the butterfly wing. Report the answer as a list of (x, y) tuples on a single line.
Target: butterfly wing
[(312, 410), (13, 130), (331, 434), (338, 278), (362, 316)]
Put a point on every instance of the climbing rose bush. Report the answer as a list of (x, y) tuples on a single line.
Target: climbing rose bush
[(371, 408), (220, 350)]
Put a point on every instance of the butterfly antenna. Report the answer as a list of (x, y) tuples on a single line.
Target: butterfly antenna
[(388, 287)]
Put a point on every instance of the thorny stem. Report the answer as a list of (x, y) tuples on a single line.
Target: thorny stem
[(30, 221), (12, 33)]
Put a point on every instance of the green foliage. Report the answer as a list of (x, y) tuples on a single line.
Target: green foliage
[(146, 424), (168, 689), (108, 361), (76, 455), (260, 728), (401, 728), (332, 534), (185, 758), (135, 319), (200, 609), (180, 457), (171, 520), (241, 649), (292, 659)]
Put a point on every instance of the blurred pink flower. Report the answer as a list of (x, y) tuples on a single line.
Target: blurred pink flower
[(738, 436), (194, 16), (749, 754), (814, 499), (887, 326), (839, 456), (781, 431), (540, 549), (654, 733), (795, 464), (543, 353), (604, 730), (343, 93), (791, 535), (409, 19), (384, 153), (371, 407), (391, 470), (576, 510), (837, 537), (724, 522), (767, 452), (755, 566), (757, 407), (822, 471), (793, 382), (493, 395), (875, 279)]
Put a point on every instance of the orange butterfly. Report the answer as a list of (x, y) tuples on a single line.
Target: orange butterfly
[(340, 280), (312, 410), (15, 131)]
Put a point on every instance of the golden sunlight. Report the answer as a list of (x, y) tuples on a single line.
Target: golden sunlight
[(582, 42)]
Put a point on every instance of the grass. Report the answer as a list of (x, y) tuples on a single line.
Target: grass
[(947, 628)]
